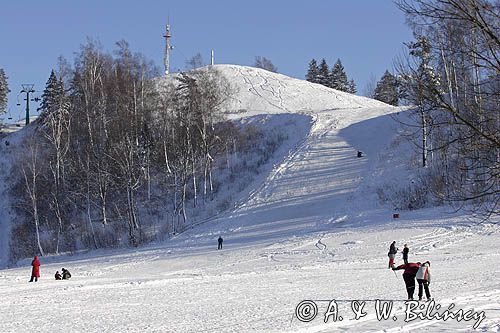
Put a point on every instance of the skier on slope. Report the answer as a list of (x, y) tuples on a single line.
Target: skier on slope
[(405, 253), (424, 279), (219, 241), (392, 254), (410, 271), (35, 271)]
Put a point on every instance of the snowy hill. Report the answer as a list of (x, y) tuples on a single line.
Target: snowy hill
[(312, 229), (259, 90)]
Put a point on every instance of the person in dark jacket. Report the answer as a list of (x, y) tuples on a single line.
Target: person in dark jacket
[(219, 241), (58, 276), (66, 275), (405, 253), (392, 254), (35, 271), (410, 271)]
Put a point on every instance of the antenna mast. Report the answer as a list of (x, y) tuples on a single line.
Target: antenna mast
[(168, 47)]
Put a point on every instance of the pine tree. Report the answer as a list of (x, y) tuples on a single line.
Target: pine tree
[(312, 72), (323, 73), (52, 96), (352, 87), (338, 77), (387, 89), (4, 90)]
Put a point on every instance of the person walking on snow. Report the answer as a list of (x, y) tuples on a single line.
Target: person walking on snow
[(392, 254), (410, 271), (219, 241), (35, 271), (405, 253), (424, 279)]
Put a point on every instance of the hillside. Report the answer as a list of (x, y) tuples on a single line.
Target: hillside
[(313, 228)]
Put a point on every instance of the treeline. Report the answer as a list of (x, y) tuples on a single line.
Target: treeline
[(335, 78), (113, 146), (4, 90), (451, 75)]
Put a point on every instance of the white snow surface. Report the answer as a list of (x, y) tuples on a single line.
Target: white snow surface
[(313, 229)]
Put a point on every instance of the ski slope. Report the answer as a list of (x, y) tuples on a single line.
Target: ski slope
[(312, 229)]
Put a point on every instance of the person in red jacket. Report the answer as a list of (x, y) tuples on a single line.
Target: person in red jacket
[(410, 271), (35, 271)]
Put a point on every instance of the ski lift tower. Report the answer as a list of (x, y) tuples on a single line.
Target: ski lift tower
[(168, 47), (27, 89)]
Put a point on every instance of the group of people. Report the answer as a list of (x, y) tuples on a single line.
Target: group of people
[(66, 275), (420, 272), (35, 272)]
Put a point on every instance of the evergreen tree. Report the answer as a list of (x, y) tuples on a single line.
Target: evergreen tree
[(52, 97), (323, 75), (352, 87), (338, 77), (387, 89), (312, 72), (4, 90)]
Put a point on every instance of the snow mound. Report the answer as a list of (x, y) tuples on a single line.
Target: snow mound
[(259, 91)]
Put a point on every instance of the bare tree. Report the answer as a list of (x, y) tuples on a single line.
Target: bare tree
[(194, 62), (265, 63), (464, 50), (31, 174)]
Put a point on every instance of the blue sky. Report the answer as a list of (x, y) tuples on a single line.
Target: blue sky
[(365, 34)]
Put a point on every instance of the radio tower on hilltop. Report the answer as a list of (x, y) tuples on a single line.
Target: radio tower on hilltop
[(168, 47)]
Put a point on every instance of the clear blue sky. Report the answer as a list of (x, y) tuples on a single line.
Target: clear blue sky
[(365, 34)]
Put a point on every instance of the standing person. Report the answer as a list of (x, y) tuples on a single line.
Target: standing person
[(392, 254), (219, 241), (424, 279), (410, 271), (405, 253), (35, 271)]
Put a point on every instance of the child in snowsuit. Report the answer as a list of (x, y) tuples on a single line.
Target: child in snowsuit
[(392, 254), (405, 253), (35, 271), (65, 274), (219, 241), (410, 271), (424, 279), (58, 275)]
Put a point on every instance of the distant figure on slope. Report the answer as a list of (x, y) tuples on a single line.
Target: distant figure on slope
[(392, 254), (405, 253), (66, 275), (219, 241), (410, 271), (58, 276), (35, 271), (424, 279)]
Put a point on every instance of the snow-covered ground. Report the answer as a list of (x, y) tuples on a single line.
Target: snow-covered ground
[(312, 230)]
